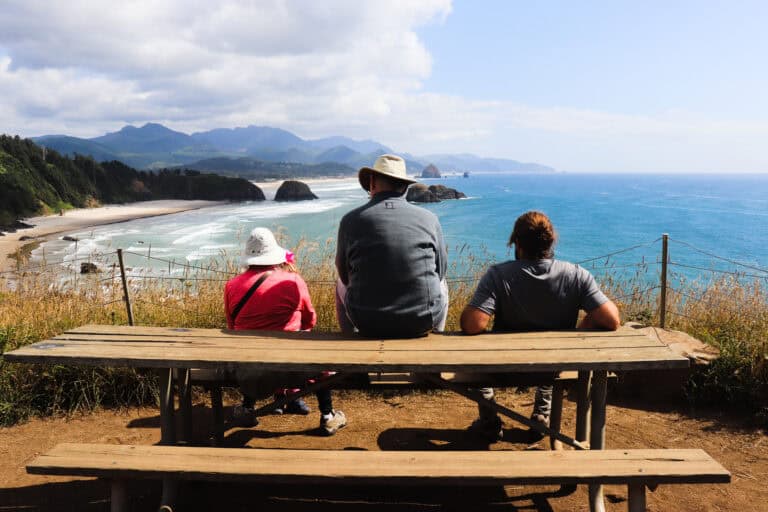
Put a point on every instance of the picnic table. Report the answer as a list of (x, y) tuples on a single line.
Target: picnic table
[(175, 351)]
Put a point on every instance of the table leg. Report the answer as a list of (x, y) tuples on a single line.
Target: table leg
[(583, 389), (167, 406), (185, 405), (167, 432), (119, 496), (597, 435), (637, 498)]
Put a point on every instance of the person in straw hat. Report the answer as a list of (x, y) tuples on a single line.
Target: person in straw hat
[(271, 295), (391, 260)]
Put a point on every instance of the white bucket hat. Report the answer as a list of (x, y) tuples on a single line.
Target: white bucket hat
[(388, 165), (262, 249)]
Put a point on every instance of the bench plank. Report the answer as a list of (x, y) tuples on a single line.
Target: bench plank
[(293, 359), (647, 467), (319, 335), (436, 343)]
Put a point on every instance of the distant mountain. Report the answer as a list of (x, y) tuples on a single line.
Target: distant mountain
[(72, 145), (468, 162), (154, 146), (360, 146), (150, 138), (250, 168), (249, 140)]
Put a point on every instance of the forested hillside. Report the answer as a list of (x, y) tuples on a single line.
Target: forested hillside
[(35, 181)]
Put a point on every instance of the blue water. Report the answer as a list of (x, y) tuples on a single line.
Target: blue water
[(707, 217)]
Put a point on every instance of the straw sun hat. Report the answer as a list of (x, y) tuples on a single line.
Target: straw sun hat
[(387, 165), (262, 249)]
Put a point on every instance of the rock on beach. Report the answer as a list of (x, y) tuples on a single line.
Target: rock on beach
[(294, 191)]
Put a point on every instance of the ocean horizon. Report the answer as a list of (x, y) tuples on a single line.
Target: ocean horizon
[(714, 221)]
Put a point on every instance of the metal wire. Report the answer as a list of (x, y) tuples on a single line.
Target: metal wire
[(55, 264), (713, 255), (173, 262), (628, 265), (165, 278), (620, 251), (717, 271), (637, 292)]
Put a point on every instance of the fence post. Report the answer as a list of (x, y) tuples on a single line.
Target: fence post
[(663, 290), (126, 298)]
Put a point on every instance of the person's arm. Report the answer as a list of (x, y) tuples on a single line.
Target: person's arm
[(473, 320), (308, 315), (482, 306), (341, 255), (227, 310), (442, 253), (605, 316)]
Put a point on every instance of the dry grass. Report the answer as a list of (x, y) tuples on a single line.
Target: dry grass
[(730, 314)]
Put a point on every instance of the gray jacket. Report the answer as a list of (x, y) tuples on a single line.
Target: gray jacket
[(391, 255)]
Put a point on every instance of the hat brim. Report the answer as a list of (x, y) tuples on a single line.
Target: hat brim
[(362, 177), (273, 257)]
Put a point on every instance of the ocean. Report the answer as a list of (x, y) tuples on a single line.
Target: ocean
[(606, 222)]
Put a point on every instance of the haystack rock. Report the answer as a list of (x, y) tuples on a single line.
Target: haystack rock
[(294, 191), (420, 193), (430, 171)]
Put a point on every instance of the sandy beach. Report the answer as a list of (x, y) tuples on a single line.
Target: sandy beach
[(47, 226)]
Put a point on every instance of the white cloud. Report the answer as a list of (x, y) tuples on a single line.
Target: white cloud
[(348, 67)]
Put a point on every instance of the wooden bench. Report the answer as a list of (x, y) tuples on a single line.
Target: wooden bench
[(637, 469), (172, 350)]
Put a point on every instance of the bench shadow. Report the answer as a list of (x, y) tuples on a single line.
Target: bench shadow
[(239, 438), (721, 417), (358, 498), (93, 496), (443, 439), (76, 496)]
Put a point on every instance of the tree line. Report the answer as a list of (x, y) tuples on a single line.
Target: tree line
[(35, 180)]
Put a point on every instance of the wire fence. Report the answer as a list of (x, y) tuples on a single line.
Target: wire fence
[(653, 274)]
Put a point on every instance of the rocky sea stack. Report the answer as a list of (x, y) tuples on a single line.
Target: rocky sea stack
[(420, 193), (294, 191), (430, 171)]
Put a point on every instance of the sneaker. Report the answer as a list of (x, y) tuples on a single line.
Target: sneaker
[(488, 427), (297, 406), (244, 416), (330, 426), (534, 435)]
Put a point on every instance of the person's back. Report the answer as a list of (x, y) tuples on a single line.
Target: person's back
[(280, 303), (393, 249), (391, 260), (544, 294)]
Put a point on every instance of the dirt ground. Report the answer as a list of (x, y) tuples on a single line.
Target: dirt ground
[(426, 420)]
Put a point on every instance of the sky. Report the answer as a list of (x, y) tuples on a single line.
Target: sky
[(589, 86)]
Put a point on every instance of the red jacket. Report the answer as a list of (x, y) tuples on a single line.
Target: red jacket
[(280, 303)]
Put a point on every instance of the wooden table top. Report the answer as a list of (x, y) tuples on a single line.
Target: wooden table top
[(165, 347)]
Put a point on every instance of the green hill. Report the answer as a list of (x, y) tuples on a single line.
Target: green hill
[(36, 181)]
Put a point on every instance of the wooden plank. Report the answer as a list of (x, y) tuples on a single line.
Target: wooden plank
[(650, 467), (294, 359), (435, 343), (318, 335)]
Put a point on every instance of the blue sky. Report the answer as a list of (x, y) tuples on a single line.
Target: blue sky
[(581, 86), (630, 57)]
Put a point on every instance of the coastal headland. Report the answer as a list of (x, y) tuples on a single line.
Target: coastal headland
[(46, 227)]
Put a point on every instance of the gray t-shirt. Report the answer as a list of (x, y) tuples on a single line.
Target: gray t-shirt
[(391, 255), (536, 294)]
